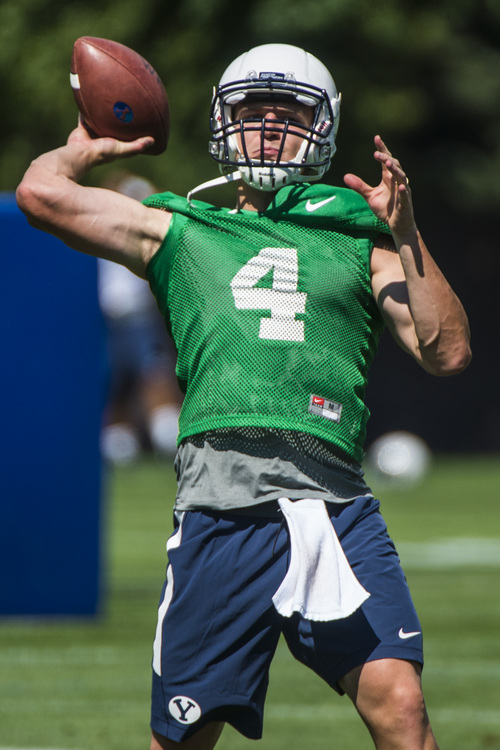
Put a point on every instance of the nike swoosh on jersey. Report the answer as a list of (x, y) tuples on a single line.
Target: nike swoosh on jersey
[(318, 204), (404, 635)]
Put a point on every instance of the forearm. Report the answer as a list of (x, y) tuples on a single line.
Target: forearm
[(50, 178), (440, 323), (52, 181), (95, 221)]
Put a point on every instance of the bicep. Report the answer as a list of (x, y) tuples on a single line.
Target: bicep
[(107, 224)]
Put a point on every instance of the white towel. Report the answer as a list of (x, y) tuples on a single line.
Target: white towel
[(319, 583)]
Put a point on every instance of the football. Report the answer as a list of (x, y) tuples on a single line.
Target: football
[(118, 93)]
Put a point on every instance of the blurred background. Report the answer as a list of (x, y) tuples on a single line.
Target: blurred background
[(83, 537)]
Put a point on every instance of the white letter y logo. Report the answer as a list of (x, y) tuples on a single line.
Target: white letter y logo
[(185, 710)]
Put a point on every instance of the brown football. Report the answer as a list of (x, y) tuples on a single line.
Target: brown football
[(118, 92)]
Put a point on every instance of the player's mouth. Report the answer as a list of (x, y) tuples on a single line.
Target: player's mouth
[(268, 153)]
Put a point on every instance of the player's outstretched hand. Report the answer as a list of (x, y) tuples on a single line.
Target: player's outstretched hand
[(391, 200), (103, 150)]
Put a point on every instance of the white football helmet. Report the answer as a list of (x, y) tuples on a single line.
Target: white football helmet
[(275, 72)]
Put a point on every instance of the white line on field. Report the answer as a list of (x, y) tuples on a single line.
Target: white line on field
[(55, 656), (453, 552), (466, 715), (456, 715)]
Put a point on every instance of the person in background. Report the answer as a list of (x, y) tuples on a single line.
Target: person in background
[(143, 402)]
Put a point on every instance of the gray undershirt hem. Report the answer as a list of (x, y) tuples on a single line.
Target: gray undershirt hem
[(231, 470)]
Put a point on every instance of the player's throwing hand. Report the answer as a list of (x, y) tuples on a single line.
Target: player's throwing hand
[(103, 150)]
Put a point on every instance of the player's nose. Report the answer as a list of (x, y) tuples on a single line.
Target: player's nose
[(274, 130)]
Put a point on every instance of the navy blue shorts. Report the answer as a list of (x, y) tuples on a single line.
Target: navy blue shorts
[(218, 628)]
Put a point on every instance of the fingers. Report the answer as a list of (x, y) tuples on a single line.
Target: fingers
[(391, 165), (107, 146), (128, 148), (394, 186), (380, 145), (107, 149), (357, 184)]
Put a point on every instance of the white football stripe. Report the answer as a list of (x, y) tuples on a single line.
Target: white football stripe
[(75, 84)]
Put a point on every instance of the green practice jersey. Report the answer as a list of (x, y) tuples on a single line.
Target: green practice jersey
[(272, 313)]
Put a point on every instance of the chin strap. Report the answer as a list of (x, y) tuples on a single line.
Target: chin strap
[(232, 177)]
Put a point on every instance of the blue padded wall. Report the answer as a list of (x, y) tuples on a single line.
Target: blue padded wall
[(52, 389)]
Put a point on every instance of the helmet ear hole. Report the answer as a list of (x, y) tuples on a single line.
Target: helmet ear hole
[(274, 73)]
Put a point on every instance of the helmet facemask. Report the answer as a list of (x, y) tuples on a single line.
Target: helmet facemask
[(229, 135)]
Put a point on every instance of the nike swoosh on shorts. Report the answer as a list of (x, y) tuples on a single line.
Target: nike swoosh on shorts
[(404, 635)]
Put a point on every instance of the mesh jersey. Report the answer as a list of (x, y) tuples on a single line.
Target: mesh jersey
[(272, 313)]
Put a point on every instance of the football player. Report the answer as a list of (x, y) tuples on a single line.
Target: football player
[(276, 304)]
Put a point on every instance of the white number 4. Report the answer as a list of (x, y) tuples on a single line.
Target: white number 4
[(283, 299)]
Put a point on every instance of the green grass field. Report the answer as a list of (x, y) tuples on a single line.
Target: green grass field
[(85, 684)]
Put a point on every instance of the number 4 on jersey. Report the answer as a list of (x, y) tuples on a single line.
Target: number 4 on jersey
[(283, 299)]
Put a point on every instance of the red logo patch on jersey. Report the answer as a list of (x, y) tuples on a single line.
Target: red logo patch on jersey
[(322, 407)]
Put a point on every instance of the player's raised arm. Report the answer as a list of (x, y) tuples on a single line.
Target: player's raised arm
[(422, 311), (92, 220), (125, 108)]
